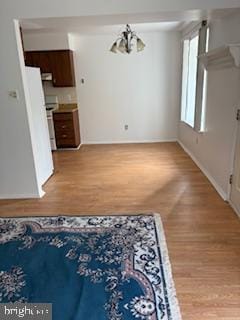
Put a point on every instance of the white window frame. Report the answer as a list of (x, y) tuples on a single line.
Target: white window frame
[(202, 31), (202, 125)]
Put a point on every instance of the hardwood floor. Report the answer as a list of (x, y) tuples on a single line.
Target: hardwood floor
[(202, 231)]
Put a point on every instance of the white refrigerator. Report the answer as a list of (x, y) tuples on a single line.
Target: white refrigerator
[(39, 127)]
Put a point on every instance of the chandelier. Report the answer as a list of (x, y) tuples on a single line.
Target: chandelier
[(124, 42)]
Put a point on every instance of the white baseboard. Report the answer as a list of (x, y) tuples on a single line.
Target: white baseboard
[(69, 149), (21, 196), (128, 142), (219, 189), (234, 208), (41, 193)]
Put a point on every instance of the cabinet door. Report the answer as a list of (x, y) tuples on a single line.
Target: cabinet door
[(67, 129), (28, 59), (39, 59), (62, 68)]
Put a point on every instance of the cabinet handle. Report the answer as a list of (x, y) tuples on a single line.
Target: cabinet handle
[(64, 135), (64, 126)]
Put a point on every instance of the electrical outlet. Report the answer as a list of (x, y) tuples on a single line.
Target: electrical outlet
[(13, 94), (126, 127)]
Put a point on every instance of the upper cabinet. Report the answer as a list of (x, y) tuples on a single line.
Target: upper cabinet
[(62, 68), (39, 59), (57, 62)]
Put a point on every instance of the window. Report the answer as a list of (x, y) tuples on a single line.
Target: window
[(204, 97), (190, 63), (194, 79)]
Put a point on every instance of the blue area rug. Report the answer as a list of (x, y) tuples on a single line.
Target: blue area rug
[(89, 267)]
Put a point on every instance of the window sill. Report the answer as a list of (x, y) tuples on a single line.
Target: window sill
[(193, 129), (187, 124)]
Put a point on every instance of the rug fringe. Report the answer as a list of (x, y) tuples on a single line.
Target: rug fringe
[(173, 301)]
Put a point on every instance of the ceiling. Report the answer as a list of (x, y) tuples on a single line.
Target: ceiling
[(88, 29), (165, 21)]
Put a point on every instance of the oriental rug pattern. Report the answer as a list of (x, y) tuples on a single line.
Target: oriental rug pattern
[(89, 267)]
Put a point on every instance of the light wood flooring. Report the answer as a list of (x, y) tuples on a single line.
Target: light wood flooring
[(202, 231)]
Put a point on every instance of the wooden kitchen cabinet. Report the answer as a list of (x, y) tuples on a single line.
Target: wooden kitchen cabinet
[(67, 132), (62, 68), (38, 59), (58, 62)]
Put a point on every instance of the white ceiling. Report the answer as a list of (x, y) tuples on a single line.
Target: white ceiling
[(29, 27), (165, 21)]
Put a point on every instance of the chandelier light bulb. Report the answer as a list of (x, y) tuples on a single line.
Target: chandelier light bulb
[(114, 48), (122, 46), (140, 45)]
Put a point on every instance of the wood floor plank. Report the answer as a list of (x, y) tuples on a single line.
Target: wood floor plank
[(202, 231)]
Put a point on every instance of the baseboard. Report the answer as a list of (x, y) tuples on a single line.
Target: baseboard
[(219, 189), (69, 149), (21, 196), (234, 208), (41, 193), (128, 142)]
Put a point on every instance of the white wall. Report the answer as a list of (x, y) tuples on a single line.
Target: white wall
[(225, 31), (18, 175), (213, 149), (45, 41), (17, 167), (140, 89)]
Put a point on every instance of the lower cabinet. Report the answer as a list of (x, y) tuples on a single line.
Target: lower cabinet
[(67, 130)]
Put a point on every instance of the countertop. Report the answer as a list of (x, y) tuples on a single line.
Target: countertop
[(66, 108)]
